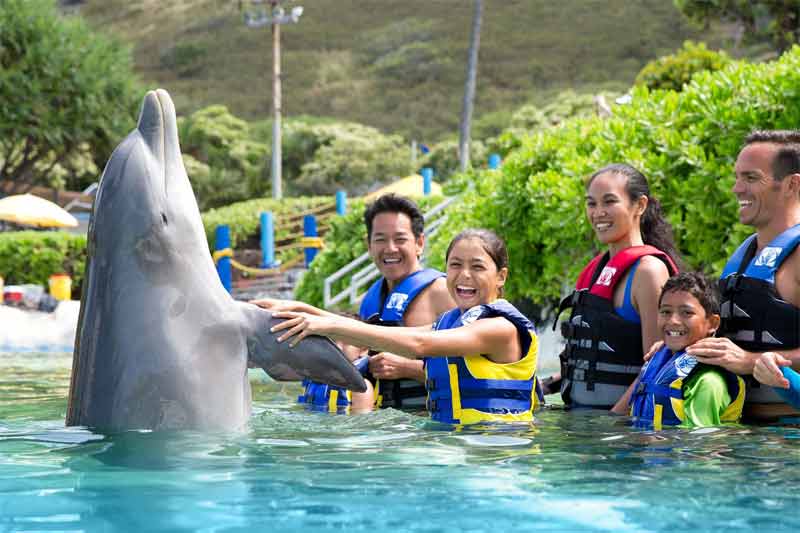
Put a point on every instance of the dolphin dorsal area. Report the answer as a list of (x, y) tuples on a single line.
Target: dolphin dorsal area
[(160, 344)]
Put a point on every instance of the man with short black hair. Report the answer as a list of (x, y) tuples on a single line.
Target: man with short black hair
[(760, 285)]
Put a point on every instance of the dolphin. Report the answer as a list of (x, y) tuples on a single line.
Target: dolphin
[(160, 344)]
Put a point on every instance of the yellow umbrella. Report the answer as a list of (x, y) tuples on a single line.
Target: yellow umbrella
[(31, 210)]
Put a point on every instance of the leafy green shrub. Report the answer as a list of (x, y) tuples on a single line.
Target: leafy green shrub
[(347, 156), (673, 71), (67, 94), (226, 163), (443, 158), (686, 143), (33, 256), (345, 241), (531, 118)]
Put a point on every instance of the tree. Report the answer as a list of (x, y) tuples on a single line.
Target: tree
[(469, 88), (777, 20), (63, 89)]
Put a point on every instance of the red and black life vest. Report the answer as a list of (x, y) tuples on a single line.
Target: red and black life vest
[(603, 354)]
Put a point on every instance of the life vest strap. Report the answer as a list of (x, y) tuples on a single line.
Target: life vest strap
[(659, 390), (496, 404)]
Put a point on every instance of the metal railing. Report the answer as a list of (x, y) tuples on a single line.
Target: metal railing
[(88, 191), (366, 273)]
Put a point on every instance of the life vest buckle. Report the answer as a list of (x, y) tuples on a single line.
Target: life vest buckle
[(733, 283)]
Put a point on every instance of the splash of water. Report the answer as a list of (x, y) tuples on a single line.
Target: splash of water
[(33, 331)]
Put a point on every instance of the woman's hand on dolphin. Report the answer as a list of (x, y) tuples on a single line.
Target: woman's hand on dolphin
[(721, 351), (298, 326), (767, 369), (270, 304), (276, 305)]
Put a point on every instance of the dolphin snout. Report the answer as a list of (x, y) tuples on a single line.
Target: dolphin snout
[(151, 124)]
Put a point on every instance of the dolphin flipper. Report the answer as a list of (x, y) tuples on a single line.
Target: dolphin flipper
[(315, 357)]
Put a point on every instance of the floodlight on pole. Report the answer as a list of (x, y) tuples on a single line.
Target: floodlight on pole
[(274, 14)]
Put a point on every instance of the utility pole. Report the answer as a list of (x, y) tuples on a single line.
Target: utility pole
[(277, 152), (469, 88), (275, 17)]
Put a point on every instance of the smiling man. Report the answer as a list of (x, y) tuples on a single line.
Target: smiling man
[(760, 285), (406, 294)]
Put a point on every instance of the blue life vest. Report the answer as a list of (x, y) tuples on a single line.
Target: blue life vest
[(657, 398), (392, 307), (383, 310), (470, 389), (324, 397), (753, 315)]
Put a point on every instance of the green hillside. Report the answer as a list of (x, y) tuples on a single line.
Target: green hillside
[(396, 65)]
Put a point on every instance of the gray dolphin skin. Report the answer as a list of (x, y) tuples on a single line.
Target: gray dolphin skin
[(160, 343)]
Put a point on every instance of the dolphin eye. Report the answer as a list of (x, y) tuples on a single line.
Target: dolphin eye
[(164, 218)]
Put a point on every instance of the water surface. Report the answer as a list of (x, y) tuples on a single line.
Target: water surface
[(294, 470)]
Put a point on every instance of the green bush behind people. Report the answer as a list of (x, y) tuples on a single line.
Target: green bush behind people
[(674, 70), (33, 256), (686, 143)]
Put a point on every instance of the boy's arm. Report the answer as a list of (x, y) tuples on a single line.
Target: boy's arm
[(705, 398)]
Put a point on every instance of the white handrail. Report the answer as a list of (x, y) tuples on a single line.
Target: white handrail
[(88, 191), (370, 272)]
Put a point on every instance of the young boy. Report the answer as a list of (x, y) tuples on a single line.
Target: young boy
[(673, 389)]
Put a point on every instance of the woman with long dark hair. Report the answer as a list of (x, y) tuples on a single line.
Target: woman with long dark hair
[(615, 302)]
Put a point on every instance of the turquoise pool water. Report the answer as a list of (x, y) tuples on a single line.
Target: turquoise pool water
[(294, 470)]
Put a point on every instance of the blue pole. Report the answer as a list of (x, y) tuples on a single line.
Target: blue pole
[(267, 240), (341, 203), (494, 161), (427, 178), (310, 230), (222, 243)]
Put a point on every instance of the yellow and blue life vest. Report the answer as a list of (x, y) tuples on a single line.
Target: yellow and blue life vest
[(383, 309), (657, 398), (753, 315), (470, 389), (323, 397)]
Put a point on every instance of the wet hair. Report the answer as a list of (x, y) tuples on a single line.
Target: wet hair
[(391, 203), (492, 244), (787, 157), (656, 231), (698, 286)]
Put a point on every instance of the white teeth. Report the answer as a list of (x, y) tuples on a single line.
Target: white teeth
[(463, 288), (603, 225), (674, 333), (391, 261), (745, 203)]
